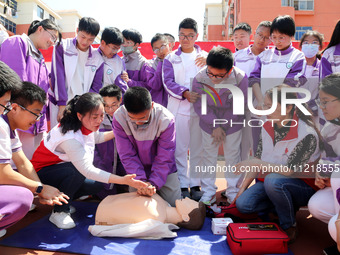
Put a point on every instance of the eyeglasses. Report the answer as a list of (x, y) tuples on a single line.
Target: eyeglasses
[(113, 106), (115, 50), (262, 37), (279, 38), (188, 37), (128, 43), (323, 104), (53, 37), (163, 47), (8, 107), (38, 116), (211, 75), (140, 121)]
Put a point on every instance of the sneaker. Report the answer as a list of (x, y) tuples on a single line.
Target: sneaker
[(62, 220), (292, 234), (185, 193), (3, 232), (208, 200), (33, 206), (72, 209), (196, 193)]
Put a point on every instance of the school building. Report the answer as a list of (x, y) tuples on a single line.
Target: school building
[(17, 15), (221, 18)]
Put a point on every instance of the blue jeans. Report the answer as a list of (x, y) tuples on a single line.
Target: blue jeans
[(69, 180), (284, 194)]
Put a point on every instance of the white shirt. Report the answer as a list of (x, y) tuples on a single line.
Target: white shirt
[(78, 77)]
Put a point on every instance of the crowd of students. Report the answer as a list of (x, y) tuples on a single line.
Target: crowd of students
[(131, 121)]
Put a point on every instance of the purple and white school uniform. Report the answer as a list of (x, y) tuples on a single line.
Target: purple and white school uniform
[(135, 64), (148, 150), (15, 201), (113, 68), (20, 54), (330, 61), (179, 69), (323, 204), (74, 72), (224, 111), (155, 83)]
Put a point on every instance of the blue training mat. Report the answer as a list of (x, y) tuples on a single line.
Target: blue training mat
[(43, 235)]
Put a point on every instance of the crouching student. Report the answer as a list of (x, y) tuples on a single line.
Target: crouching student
[(17, 187), (219, 71), (160, 47), (289, 142), (64, 159), (114, 66), (145, 138), (105, 154)]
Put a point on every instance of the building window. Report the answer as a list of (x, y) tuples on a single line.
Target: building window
[(40, 12), (52, 18), (9, 25), (304, 5), (300, 31)]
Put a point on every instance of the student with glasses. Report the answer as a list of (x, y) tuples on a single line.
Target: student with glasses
[(145, 138), (179, 68), (17, 187), (64, 159), (114, 66), (220, 69), (77, 68), (324, 205), (22, 54), (160, 46)]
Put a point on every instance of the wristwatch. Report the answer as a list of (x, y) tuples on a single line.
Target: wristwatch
[(39, 188)]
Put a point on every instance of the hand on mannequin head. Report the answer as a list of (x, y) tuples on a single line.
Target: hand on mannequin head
[(132, 208)]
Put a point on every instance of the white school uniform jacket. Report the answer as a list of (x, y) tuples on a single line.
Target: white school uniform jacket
[(173, 76), (330, 61), (64, 64), (245, 60)]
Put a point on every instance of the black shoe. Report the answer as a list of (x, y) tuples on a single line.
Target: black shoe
[(196, 193), (333, 250), (185, 193)]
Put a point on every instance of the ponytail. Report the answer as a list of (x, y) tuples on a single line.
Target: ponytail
[(83, 104)]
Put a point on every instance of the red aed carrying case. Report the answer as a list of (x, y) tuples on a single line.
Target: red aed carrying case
[(256, 238)]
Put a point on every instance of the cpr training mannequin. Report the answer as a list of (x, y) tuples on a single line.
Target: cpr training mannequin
[(130, 209)]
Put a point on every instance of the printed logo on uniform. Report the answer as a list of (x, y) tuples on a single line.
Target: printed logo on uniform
[(109, 71), (289, 65), (93, 68)]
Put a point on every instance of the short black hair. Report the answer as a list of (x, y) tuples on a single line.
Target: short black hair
[(89, 25), (112, 35), (111, 91), (28, 94), (137, 100), (188, 23), (9, 80), (170, 37), (242, 26), (221, 58), (284, 25), (265, 23), (133, 35), (158, 37), (331, 84)]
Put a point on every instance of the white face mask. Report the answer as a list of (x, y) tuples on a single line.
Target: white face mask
[(310, 50)]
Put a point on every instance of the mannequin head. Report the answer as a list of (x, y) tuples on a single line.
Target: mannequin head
[(192, 213)]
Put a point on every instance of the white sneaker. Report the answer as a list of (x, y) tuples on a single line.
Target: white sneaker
[(33, 206), (208, 200), (3, 232), (72, 209), (62, 220)]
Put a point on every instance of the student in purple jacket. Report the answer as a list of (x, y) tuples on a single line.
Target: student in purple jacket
[(330, 61), (76, 68), (145, 138), (22, 54), (135, 62), (160, 46)]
